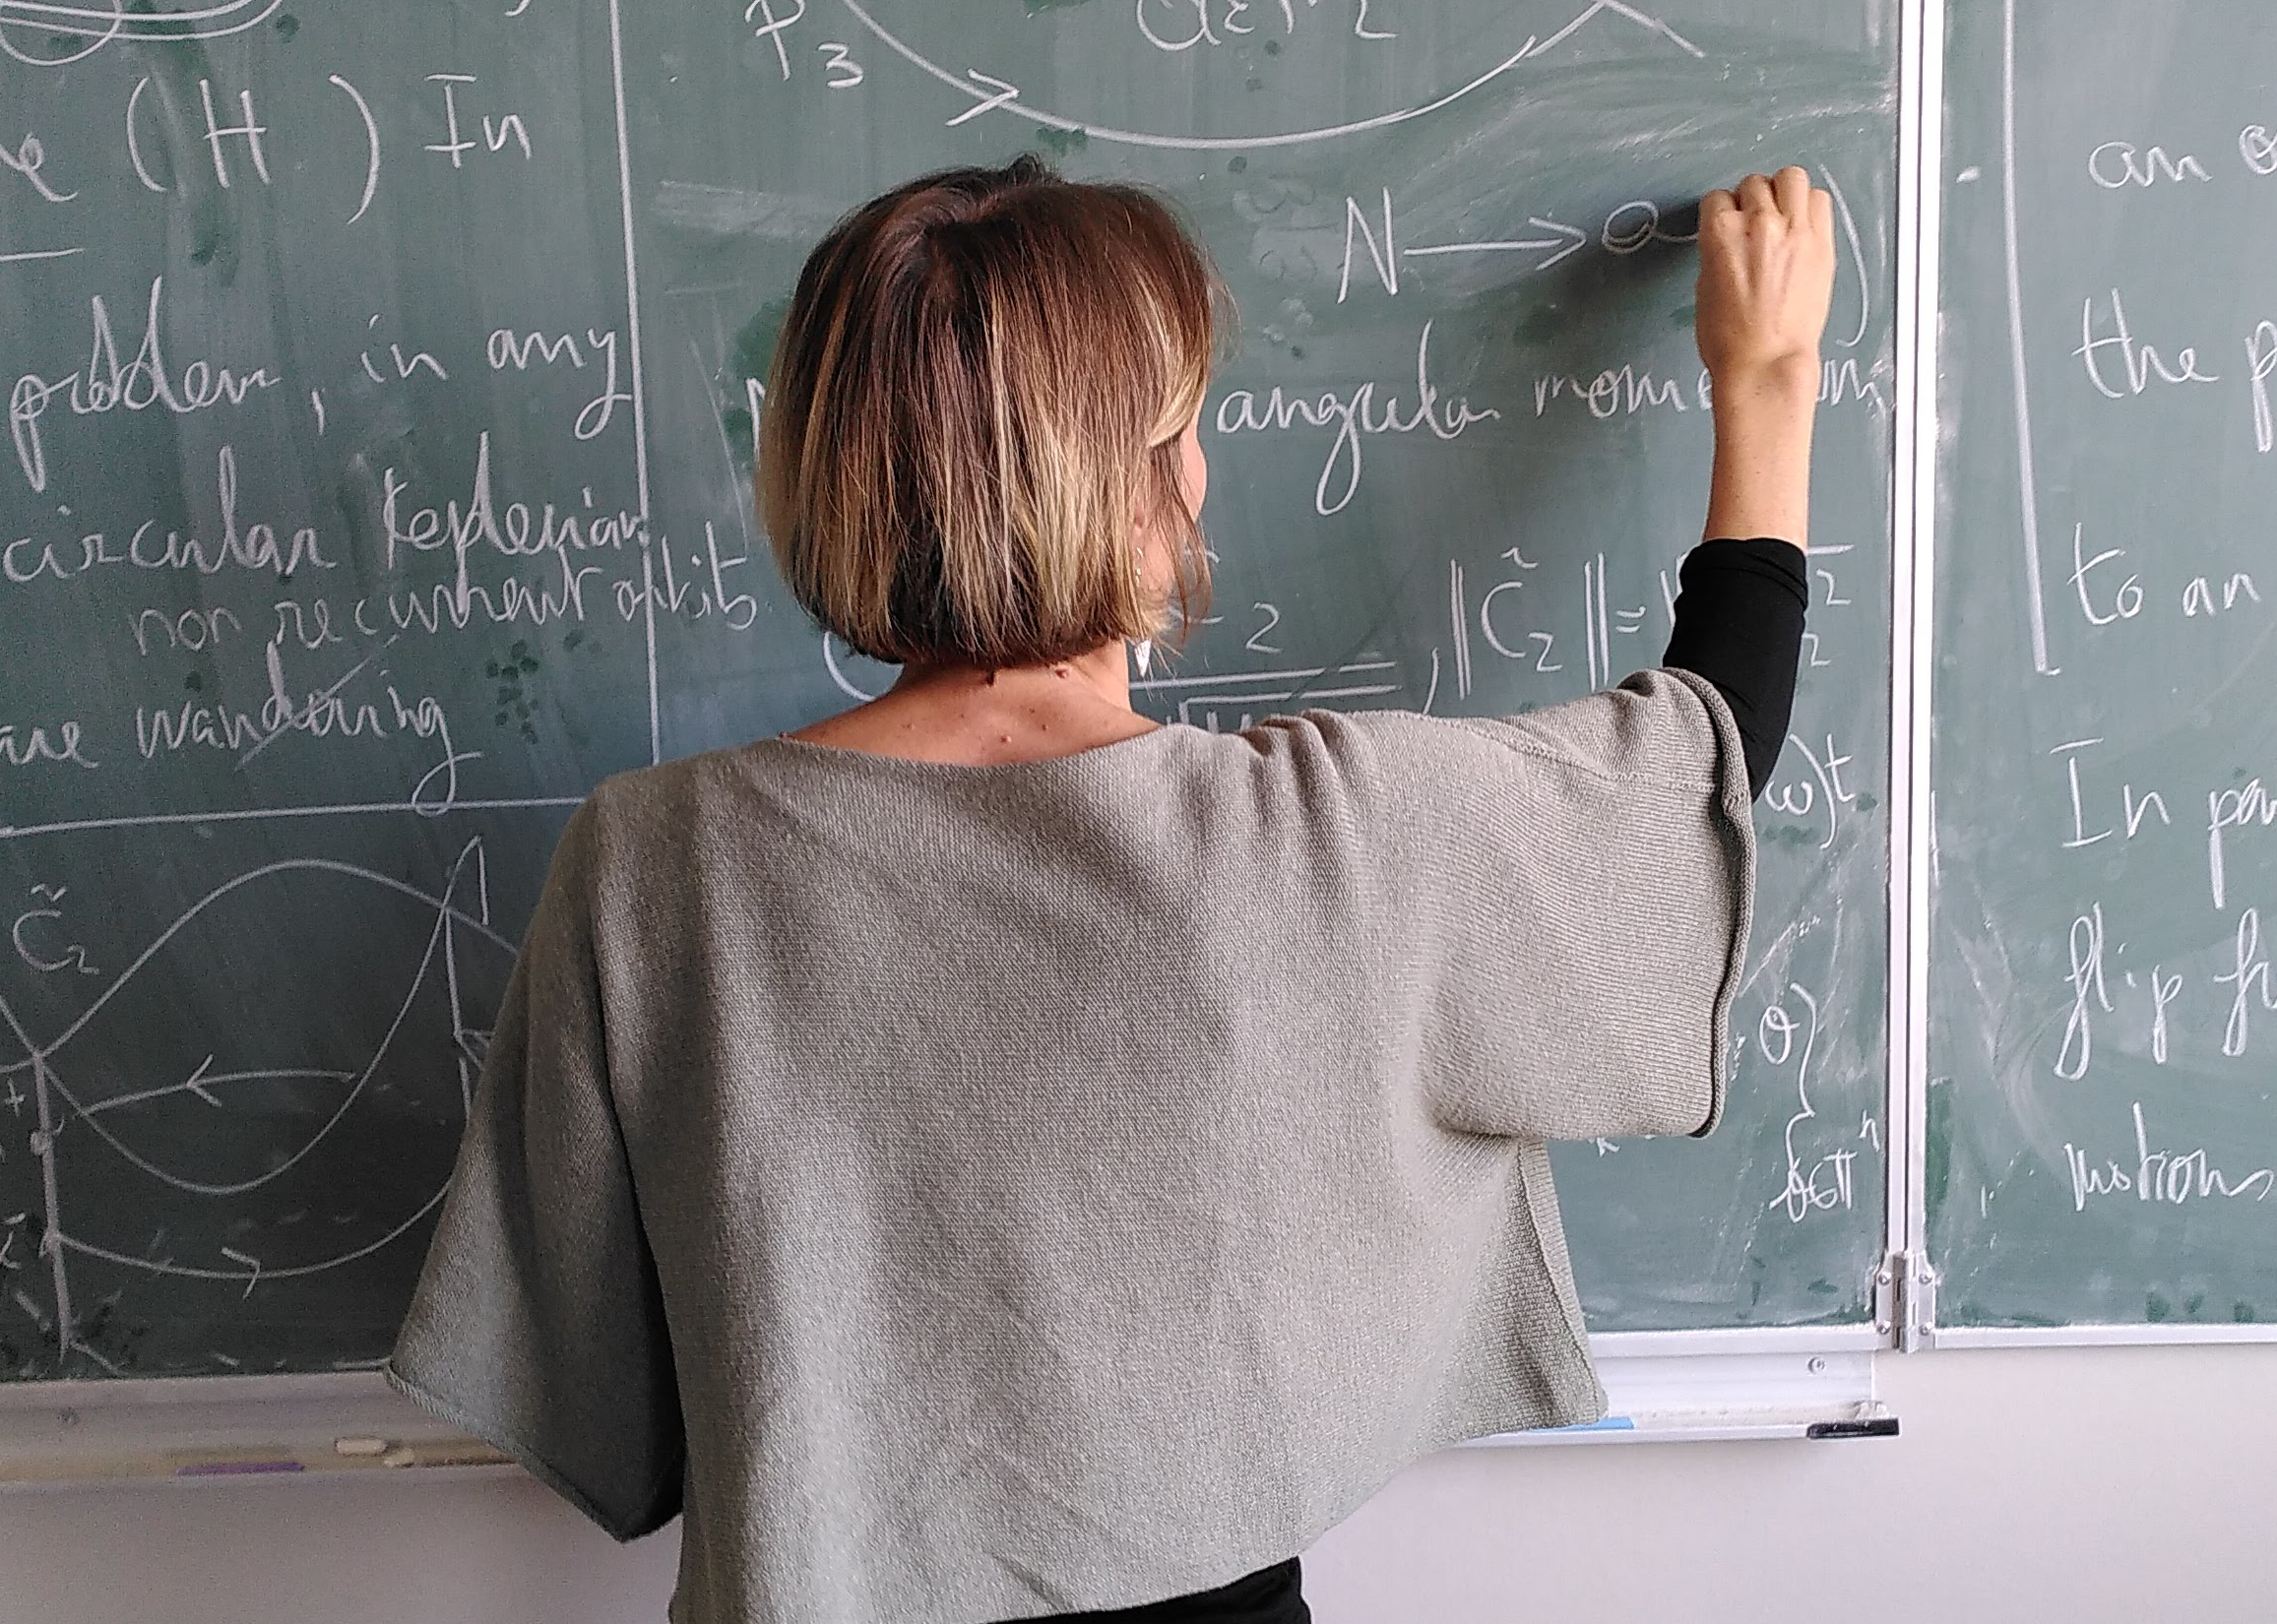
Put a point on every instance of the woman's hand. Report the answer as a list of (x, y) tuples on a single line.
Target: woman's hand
[(1766, 279)]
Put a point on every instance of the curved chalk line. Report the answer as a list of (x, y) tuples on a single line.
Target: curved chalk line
[(115, 22), (1140, 138), (371, 1066), (447, 913), (990, 96), (319, 864)]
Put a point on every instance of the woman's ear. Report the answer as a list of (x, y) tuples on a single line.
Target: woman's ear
[(1193, 467), (1158, 536)]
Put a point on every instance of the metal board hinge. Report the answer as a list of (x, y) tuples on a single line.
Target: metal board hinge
[(1905, 1299)]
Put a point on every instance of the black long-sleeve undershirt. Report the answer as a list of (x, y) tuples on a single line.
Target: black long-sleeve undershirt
[(1738, 623)]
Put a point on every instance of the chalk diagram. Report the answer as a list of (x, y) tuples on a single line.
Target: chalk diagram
[(911, 34), (75, 32), (96, 1128), (990, 93)]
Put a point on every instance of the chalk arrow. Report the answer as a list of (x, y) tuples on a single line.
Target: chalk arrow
[(1567, 241), (1004, 93), (197, 1079), (200, 1081), (1574, 240), (250, 1262)]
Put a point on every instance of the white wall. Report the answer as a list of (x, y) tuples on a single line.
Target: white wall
[(2054, 1484)]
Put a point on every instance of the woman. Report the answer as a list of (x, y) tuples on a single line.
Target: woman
[(986, 1155)]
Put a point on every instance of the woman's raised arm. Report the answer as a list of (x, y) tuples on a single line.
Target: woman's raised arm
[(1766, 279)]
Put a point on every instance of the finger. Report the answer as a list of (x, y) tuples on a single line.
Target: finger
[(1822, 216), (1791, 187), (1717, 209), (1755, 195)]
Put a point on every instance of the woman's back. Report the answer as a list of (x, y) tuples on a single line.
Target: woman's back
[(1074, 1181)]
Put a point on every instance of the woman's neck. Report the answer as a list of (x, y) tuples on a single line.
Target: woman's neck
[(954, 713)]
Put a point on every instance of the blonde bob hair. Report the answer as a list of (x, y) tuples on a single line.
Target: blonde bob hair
[(976, 397)]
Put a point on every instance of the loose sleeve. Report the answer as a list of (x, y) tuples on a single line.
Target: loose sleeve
[(1575, 890), (538, 1322)]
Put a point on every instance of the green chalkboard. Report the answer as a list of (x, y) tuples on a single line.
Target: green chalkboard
[(2101, 1126), (382, 378)]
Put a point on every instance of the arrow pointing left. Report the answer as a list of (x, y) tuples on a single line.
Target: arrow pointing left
[(197, 1079)]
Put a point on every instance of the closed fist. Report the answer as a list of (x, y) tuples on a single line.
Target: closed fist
[(1766, 281)]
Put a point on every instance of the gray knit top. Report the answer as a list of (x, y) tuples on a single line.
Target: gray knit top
[(970, 1193)]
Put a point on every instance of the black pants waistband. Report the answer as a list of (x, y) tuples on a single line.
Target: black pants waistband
[(1270, 1595)]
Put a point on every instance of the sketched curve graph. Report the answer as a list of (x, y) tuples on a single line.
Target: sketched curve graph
[(453, 942), (991, 94), (77, 32)]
